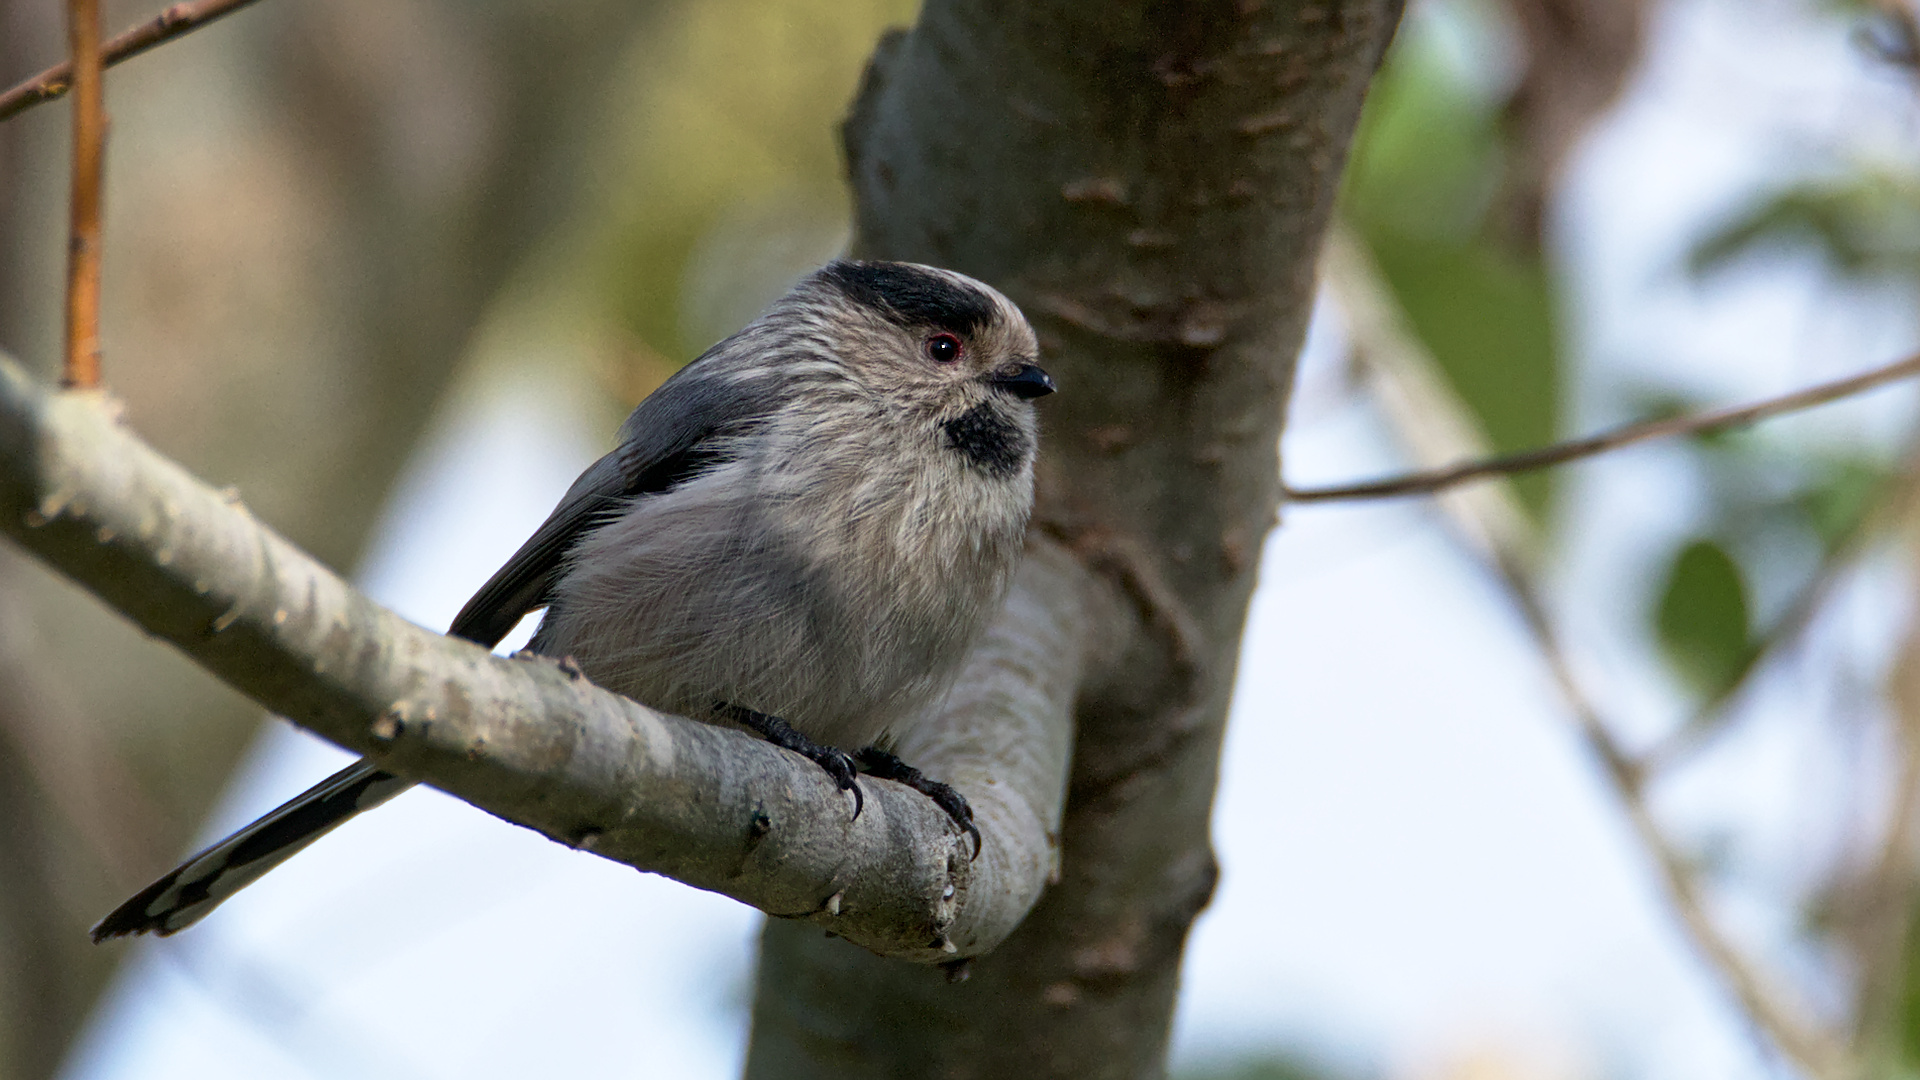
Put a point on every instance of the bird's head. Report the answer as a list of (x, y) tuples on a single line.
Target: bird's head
[(937, 342)]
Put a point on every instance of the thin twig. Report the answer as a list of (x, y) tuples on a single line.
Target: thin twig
[(1427, 481), (176, 20), (83, 240), (1432, 422)]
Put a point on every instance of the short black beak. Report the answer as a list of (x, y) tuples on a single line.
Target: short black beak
[(1026, 381)]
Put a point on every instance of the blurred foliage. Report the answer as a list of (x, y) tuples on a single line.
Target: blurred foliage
[(1834, 506), (1703, 620), (1866, 225), (1421, 189), (731, 165), (716, 182), (1862, 226)]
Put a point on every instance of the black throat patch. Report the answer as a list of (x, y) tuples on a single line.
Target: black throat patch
[(988, 440)]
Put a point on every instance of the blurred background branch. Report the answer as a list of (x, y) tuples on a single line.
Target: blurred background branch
[(1435, 479), (175, 20)]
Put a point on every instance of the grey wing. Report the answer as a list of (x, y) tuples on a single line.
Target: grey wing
[(667, 440)]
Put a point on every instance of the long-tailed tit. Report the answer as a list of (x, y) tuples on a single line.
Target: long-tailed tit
[(800, 533)]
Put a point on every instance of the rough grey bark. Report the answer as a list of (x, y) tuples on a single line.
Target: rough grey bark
[(1150, 181), (539, 745)]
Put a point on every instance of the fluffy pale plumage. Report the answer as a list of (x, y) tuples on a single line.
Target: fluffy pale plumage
[(832, 560), (811, 521)]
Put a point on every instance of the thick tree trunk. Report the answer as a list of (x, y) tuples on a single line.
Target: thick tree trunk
[(1150, 181)]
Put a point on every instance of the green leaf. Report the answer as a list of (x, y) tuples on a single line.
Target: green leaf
[(1426, 157), (1488, 319), (1703, 621), (1426, 167)]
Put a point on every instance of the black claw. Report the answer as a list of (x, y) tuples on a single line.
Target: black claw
[(955, 804), (879, 763), (838, 763)]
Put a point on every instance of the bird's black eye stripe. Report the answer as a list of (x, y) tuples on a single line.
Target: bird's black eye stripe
[(943, 348), (912, 294)]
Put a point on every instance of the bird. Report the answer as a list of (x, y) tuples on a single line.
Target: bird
[(799, 533)]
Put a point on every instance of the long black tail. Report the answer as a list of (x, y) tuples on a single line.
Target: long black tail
[(186, 895)]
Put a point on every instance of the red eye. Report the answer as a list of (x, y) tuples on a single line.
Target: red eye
[(943, 348)]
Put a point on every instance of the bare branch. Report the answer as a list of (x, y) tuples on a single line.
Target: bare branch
[(176, 20), (83, 240), (521, 738), (1421, 408), (1427, 481)]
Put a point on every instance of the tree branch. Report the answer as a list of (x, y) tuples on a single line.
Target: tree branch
[(524, 739), (82, 370), (176, 20), (1427, 481)]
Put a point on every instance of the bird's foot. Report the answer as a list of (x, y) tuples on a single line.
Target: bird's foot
[(837, 762), (879, 763)]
